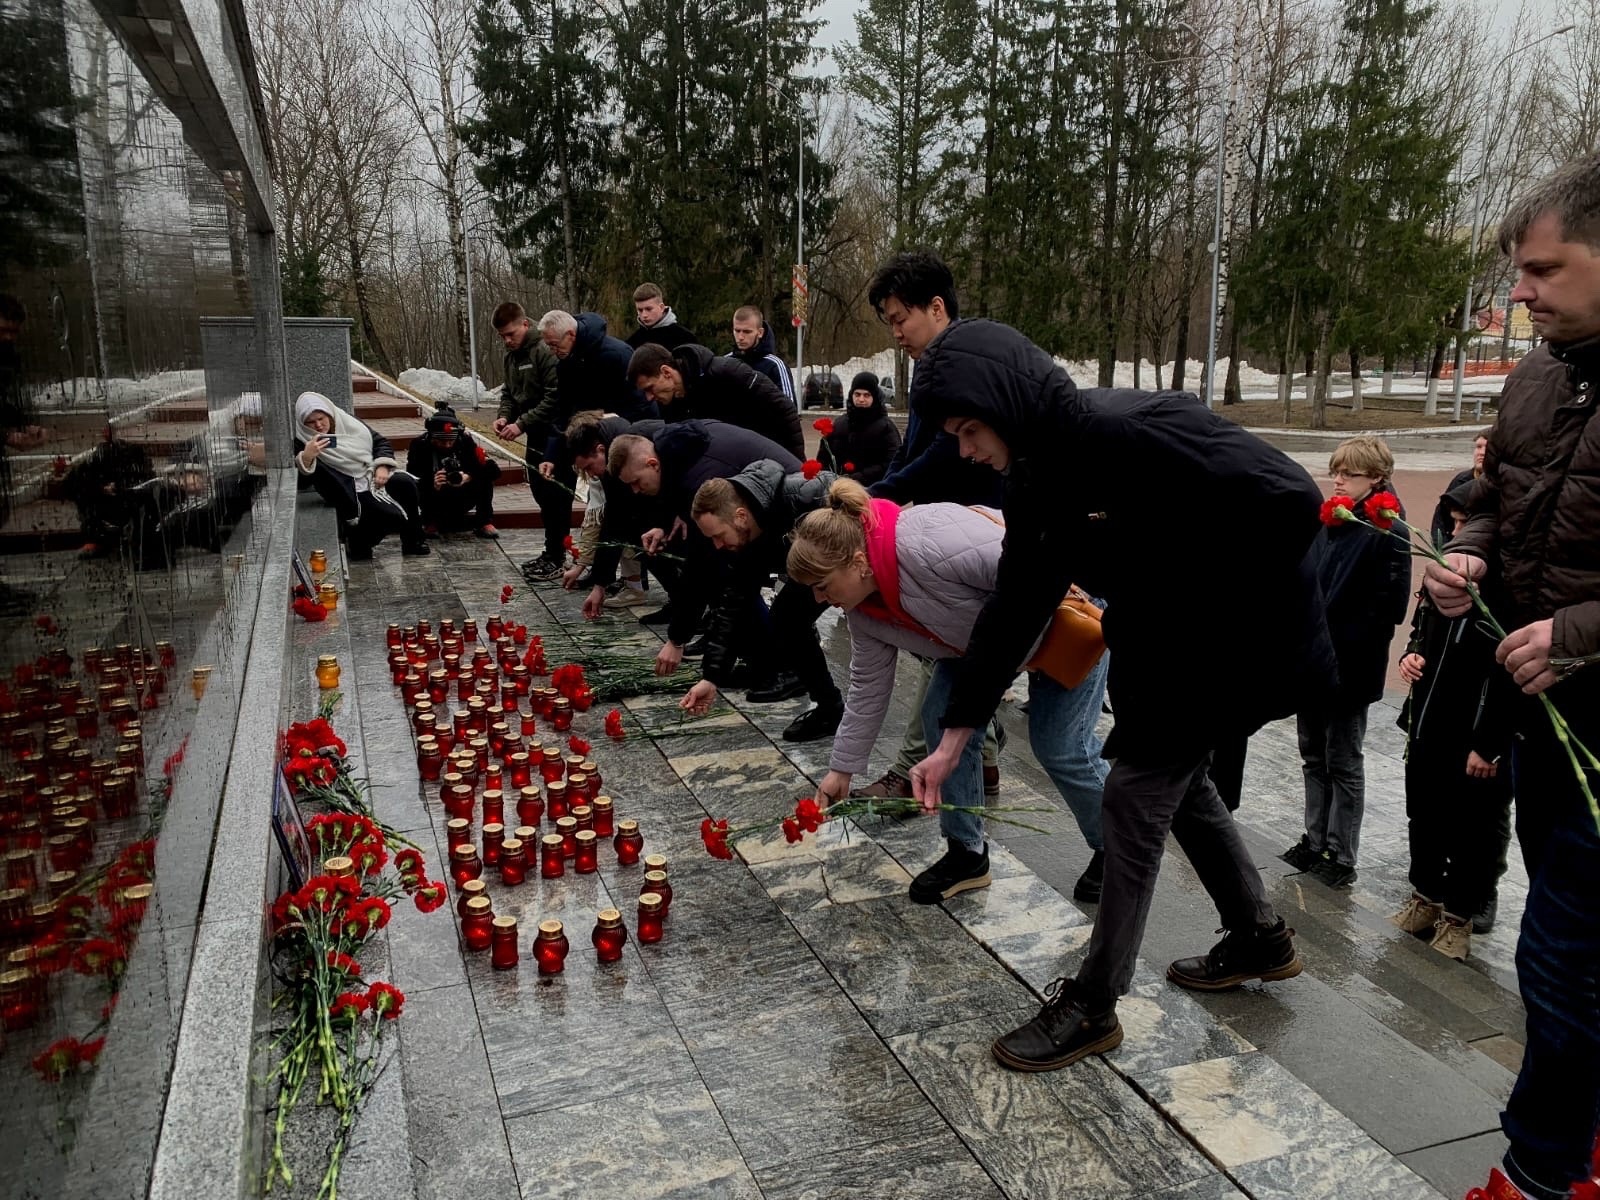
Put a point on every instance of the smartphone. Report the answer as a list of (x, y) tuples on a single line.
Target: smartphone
[(329, 441)]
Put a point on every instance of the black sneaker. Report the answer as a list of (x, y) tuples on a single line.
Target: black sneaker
[(960, 870), (1301, 856), (1334, 873), (541, 570), (1483, 919), (1087, 889), (662, 616), (818, 722), (783, 686), (1064, 1031), (1241, 955)]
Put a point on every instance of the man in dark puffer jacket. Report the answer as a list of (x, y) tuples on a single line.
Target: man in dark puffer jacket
[(750, 516), (1135, 496), (690, 381)]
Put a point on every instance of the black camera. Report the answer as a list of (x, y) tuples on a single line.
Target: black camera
[(451, 466)]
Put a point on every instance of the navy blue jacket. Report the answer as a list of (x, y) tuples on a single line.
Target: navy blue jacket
[(1365, 576), (594, 375)]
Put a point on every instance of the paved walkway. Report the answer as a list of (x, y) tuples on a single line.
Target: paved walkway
[(805, 1031)]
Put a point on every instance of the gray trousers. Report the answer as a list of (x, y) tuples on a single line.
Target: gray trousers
[(1141, 804), (1336, 780)]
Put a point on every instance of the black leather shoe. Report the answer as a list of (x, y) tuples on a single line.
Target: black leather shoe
[(1241, 955), (818, 722), (783, 686), (1063, 1032), (413, 549), (960, 870), (1087, 889), (1483, 919), (1301, 856)]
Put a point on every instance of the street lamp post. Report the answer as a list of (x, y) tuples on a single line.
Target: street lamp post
[(1477, 221)]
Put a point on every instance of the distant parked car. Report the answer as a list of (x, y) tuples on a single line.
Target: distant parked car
[(886, 386), (822, 389)]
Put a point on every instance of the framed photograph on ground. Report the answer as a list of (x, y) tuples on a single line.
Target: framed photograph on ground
[(301, 574), (290, 829)]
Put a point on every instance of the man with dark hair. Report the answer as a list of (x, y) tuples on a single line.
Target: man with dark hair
[(690, 381), (455, 476), (1530, 538), (588, 438), (754, 346), (528, 407), (657, 322)]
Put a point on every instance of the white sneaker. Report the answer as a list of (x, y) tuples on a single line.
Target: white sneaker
[(627, 597)]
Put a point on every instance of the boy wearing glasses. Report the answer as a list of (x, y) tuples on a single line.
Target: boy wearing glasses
[(1366, 582)]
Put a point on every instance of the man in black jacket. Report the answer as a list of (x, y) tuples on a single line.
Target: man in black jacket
[(455, 476), (668, 469), (749, 517), (1137, 497), (754, 346), (657, 322), (690, 381)]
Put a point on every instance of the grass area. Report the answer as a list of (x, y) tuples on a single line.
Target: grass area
[(1394, 413)]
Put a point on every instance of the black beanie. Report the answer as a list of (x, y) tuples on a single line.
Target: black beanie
[(866, 381)]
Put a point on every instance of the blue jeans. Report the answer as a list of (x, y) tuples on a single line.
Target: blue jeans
[(1061, 725), (1554, 1109)]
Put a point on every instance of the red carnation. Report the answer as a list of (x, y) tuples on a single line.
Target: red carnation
[(90, 1050), (386, 1000), (809, 814), (343, 964), (811, 468), (715, 835), (1338, 509), (100, 956), (348, 1006), (614, 724), (55, 1060), (1383, 509), (578, 746), (409, 862), (430, 896), (373, 913), (791, 830), (849, 468), (310, 610), (823, 425)]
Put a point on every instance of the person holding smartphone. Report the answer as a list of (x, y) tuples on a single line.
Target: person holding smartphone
[(354, 469)]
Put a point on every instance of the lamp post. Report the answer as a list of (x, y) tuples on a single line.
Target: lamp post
[(799, 223), (1477, 216)]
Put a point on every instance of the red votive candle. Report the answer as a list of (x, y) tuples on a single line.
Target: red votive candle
[(567, 829), (656, 881), (578, 788), (513, 862), (529, 725), (552, 864), (650, 926), (475, 926), (590, 768), (465, 864), (457, 832), (609, 935), (469, 629), (603, 826), (503, 943), (551, 767), (430, 761), (469, 891), (521, 772), (493, 834), (586, 859), (21, 994), (557, 803), (494, 805), (584, 816), (629, 842), (550, 948)]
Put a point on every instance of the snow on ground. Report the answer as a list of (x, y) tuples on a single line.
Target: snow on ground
[(117, 395), (455, 390)]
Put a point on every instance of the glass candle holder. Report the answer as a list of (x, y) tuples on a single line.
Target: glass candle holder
[(578, 788), (592, 769), (584, 816), (393, 636), (629, 842), (503, 943), (469, 890), (327, 671), (567, 830), (573, 763), (609, 935), (513, 862), (656, 881), (494, 833), (557, 800), (469, 629), (552, 863), (21, 871), (457, 799), (457, 832), (318, 562), (494, 805), (529, 725), (465, 864), (655, 862), (650, 925), (603, 823), (329, 595), (521, 770), (430, 762), (493, 627), (475, 926), (551, 768), (492, 777), (21, 996), (438, 685), (561, 714), (550, 948), (586, 859), (422, 718)]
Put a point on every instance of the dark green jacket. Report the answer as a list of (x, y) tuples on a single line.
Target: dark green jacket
[(529, 396)]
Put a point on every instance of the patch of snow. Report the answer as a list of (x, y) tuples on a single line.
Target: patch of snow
[(455, 390)]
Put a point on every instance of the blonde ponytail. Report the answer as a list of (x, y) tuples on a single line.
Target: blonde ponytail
[(830, 537)]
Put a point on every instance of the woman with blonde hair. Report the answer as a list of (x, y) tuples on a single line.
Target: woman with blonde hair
[(916, 580)]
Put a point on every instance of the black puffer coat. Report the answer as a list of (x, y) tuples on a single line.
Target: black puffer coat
[(594, 375), (1193, 530), (725, 389), (1365, 575), (863, 438), (777, 499)]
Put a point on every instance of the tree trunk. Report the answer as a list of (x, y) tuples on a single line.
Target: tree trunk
[(986, 229), (575, 296), (1322, 375), (1111, 308), (1355, 382), (1231, 393), (458, 260), (1388, 373)]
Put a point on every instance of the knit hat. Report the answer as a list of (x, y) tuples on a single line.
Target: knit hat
[(866, 381)]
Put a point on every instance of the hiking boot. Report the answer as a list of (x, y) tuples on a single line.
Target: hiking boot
[(1064, 1031), (1334, 873), (892, 786), (486, 531), (960, 870), (1452, 937), (991, 781), (1483, 919), (783, 686), (818, 722), (1301, 856), (626, 596), (662, 616), (1087, 889), (541, 570), (1242, 955), (1419, 915)]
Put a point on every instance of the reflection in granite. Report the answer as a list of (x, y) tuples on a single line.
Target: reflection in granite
[(1163, 1027), (933, 1167), (656, 1143), (1336, 1172)]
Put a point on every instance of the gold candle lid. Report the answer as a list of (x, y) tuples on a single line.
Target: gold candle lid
[(600, 802), (496, 825), (567, 824), (525, 833), (609, 918), (22, 854), (528, 793), (578, 780), (585, 836), (557, 786), (587, 766), (504, 922), (562, 702), (650, 900), (519, 758), (580, 811), (511, 846), (339, 866), (547, 929), (327, 660), (573, 760), (656, 862), (551, 754), (139, 891), (22, 975), (627, 825), (465, 852), (474, 887), (479, 906), (551, 841), (655, 877), (451, 777), (11, 895)]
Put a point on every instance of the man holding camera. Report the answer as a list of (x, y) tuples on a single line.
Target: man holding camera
[(455, 476)]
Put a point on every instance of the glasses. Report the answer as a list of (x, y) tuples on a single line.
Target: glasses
[(1349, 475)]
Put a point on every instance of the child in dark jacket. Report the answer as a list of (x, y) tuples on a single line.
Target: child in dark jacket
[(1458, 770), (864, 439), (1365, 575)]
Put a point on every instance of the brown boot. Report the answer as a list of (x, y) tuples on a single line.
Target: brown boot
[(1452, 937), (1419, 915), (893, 785)]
